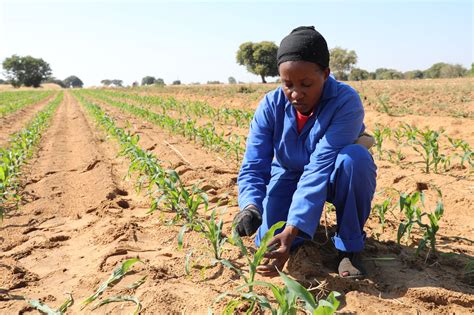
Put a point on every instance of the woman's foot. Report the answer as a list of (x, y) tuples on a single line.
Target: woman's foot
[(350, 265)]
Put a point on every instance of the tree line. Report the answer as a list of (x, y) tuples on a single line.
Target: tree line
[(260, 59)]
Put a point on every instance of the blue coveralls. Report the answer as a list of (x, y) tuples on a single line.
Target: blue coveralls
[(288, 176)]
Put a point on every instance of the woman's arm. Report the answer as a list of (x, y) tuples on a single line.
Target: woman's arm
[(255, 171)]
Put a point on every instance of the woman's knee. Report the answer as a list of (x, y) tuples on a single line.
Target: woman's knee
[(355, 155)]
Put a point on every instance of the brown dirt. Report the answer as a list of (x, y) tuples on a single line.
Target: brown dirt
[(15, 121), (80, 218)]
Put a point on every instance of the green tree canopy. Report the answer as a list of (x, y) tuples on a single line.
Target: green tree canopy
[(413, 74), (27, 71), (159, 81), (445, 70), (259, 58), (106, 82), (341, 62), (73, 82), (117, 82), (388, 74), (232, 80), (148, 80), (358, 74), (176, 82)]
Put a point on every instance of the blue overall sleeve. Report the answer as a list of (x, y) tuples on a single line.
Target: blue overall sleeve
[(256, 167), (310, 195)]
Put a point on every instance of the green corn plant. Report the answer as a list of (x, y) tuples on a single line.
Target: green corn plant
[(425, 142), (121, 298), (383, 100), (467, 152), (379, 135), (249, 297), (408, 205), (257, 258), (398, 136), (118, 273), (288, 299), (212, 231), (414, 215), (381, 210), (42, 307)]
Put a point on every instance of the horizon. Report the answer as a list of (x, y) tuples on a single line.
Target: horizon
[(198, 42)]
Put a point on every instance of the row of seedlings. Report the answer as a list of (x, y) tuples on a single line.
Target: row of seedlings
[(200, 109), (427, 144), (18, 150), (11, 102), (233, 145)]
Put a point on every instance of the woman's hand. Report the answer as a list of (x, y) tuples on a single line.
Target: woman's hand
[(280, 255)]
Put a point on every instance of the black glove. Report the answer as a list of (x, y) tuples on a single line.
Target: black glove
[(248, 221)]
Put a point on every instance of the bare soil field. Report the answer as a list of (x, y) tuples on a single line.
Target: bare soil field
[(80, 215)]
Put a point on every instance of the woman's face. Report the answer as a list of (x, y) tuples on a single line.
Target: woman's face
[(302, 83)]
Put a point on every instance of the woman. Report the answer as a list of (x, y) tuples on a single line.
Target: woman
[(301, 153)]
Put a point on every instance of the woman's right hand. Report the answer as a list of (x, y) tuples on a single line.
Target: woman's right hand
[(248, 221)]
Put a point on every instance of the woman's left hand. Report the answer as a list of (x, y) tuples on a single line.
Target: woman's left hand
[(281, 254)]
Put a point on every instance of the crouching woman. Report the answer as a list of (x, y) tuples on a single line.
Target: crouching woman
[(307, 146)]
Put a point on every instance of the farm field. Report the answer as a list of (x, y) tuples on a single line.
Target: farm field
[(94, 188)]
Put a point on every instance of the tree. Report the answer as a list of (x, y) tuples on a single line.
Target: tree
[(106, 82), (341, 62), (358, 74), (148, 80), (27, 71), (452, 71), (445, 70), (259, 58), (2, 81), (214, 82), (160, 81), (472, 70), (176, 82), (73, 81), (134, 84), (388, 74), (117, 82), (413, 74), (232, 80)]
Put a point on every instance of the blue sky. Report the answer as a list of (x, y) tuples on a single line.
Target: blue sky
[(197, 41)]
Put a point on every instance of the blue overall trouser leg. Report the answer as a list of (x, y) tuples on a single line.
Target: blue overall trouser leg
[(351, 188)]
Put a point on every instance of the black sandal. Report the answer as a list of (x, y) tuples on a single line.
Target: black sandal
[(350, 266)]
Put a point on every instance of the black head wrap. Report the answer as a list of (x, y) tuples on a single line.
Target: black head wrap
[(304, 44)]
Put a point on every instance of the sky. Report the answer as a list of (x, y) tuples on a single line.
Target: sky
[(197, 41)]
